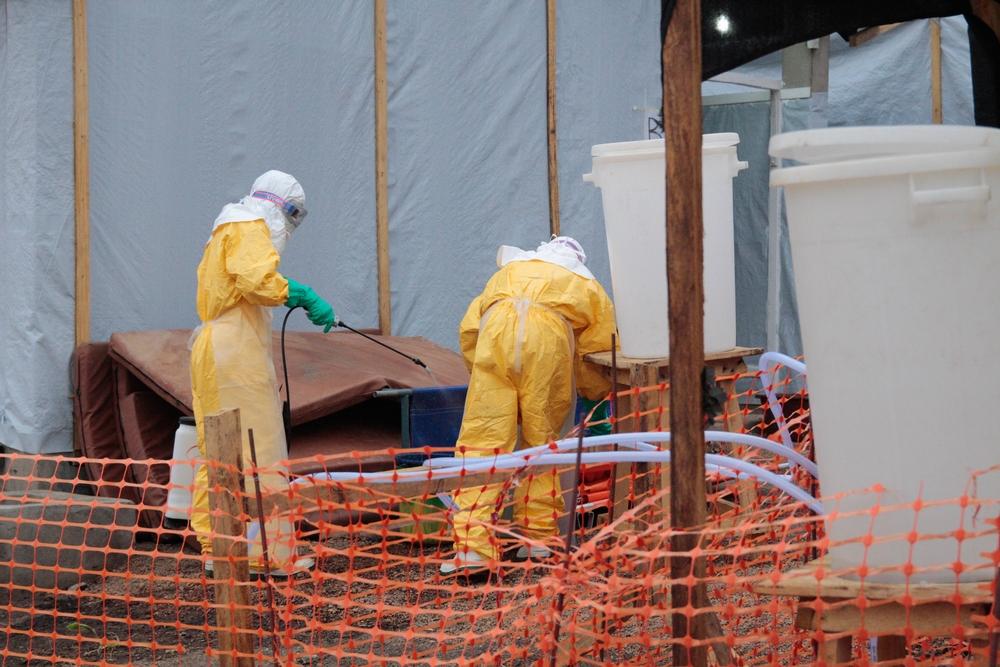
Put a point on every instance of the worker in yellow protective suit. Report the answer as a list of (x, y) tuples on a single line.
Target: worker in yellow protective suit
[(524, 339), (231, 358)]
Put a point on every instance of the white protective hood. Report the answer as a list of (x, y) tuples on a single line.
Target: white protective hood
[(557, 251), (276, 183)]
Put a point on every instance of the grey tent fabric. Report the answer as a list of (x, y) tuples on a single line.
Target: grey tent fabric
[(608, 76), (750, 195), (956, 84), (467, 152), (36, 224), (190, 101)]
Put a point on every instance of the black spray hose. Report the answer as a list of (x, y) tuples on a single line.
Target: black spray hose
[(286, 408), (378, 342)]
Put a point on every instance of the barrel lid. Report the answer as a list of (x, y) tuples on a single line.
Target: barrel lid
[(839, 144), (650, 146), (187, 421)]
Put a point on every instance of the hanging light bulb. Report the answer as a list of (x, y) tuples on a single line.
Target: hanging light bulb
[(722, 24)]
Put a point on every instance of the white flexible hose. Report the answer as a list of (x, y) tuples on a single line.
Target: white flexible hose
[(637, 441), (551, 456), (774, 359)]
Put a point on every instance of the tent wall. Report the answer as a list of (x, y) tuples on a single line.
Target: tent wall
[(467, 152), (189, 101), (36, 224), (608, 56)]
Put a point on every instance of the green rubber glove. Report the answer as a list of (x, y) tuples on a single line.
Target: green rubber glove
[(600, 414), (319, 311)]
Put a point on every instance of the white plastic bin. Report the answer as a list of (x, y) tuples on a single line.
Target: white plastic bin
[(895, 238), (182, 470), (631, 176)]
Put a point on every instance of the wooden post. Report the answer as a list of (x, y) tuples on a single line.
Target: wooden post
[(936, 112), (646, 375), (382, 171), (224, 448), (81, 174), (682, 129), (989, 13), (550, 81)]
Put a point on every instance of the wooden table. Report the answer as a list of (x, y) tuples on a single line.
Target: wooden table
[(634, 373), (830, 604)]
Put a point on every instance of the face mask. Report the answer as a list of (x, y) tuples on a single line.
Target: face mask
[(280, 239)]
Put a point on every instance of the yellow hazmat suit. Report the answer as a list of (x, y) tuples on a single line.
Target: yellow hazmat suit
[(524, 339), (232, 366)]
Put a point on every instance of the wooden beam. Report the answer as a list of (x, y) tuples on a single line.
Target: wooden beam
[(936, 112), (550, 81), (682, 130), (81, 175), (224, 449), (868, 34), (989, 12), (382, 171)]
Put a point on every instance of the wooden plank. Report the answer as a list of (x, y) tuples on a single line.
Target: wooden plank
[(931, 619), (868, 34), (890, 647), (550, 84), (835, 651), (682, 129), (624, 488), (620, 480), (81, 174), (645, 402), (733, 356), (382, 171), (746, 489), (224, 447), (936, 112), (808, 582)]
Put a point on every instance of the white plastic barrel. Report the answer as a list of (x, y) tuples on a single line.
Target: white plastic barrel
[(182, 470), (631, 176), (895, 238)]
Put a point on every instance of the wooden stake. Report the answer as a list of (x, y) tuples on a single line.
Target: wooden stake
[(682, 133), (224, 449), (382, 171), (550, 81), (868, 34), (81, 174), (936, 113)]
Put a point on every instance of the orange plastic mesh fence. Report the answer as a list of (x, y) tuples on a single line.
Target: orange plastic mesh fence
[(81, 584)]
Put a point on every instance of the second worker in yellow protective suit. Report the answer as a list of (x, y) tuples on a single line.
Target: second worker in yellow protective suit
[(524, 339), (231, 355)]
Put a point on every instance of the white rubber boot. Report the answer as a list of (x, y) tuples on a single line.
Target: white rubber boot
[(466, 561)]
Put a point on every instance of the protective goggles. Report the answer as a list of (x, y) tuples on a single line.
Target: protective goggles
[(294, 214)]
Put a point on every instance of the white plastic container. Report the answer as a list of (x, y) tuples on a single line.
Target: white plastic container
[(895, 237), (631, 176), (182, 470)]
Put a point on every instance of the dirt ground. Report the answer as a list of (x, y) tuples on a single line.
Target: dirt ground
[(163, 598)]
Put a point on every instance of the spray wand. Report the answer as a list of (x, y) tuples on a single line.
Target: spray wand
[(415, 360), (286, 410)]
